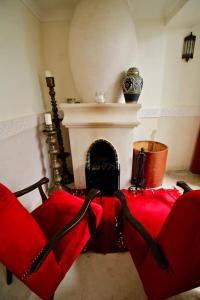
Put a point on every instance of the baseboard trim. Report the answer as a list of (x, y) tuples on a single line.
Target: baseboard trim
[(13, 127)]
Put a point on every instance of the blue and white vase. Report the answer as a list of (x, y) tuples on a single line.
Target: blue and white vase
[(132, 85)]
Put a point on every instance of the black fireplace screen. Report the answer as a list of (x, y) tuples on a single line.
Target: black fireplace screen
[(102, 168)]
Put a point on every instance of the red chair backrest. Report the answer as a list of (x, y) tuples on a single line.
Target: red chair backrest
[(180, 235), (180, 241), (21, 240)]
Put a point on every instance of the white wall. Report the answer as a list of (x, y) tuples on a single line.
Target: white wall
[(151, 50), (100, 49), (172, 91), (180, 135), (151, 41), (55, 49), (168, 80), (181, 79), (55, 53), (23, 162), (20, 59), (21, 151), (170, 84)]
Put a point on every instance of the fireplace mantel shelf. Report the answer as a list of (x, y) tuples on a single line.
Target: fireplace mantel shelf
[(102, 115), (100, 105), (102, 124)]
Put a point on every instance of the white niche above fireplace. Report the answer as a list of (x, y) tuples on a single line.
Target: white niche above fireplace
[(88, 122)]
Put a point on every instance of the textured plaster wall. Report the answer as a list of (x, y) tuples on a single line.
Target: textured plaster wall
[(181, 79), (21, 155), (178, 133), (169, 82), (151, 50), (55, 48), (20, 60), (23, 161), (100, 49), (151, 38), (28, 47)]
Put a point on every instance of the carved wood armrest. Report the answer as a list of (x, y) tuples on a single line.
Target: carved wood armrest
[(152, 244), (34, 186), (186, 188)]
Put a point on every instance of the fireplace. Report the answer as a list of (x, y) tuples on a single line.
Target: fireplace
[(102, 168), (106, 126)]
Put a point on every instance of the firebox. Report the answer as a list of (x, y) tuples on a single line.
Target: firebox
[(102, 169)]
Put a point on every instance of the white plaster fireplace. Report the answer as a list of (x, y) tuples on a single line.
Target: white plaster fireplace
[(88, 122)]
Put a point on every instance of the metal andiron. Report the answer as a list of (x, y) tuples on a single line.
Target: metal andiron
[(138, 179)]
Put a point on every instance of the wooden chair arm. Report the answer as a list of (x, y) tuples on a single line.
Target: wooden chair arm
[(67, 228), (152, 244), (34, 186), (186, 188)]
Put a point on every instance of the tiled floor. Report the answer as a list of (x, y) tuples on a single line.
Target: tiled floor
[(192, 180), (101, 277)]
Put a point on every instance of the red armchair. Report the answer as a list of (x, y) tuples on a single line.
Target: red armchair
[(162, 234), (39, 248)]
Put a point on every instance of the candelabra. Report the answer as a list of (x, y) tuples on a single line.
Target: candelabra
[(54, 162), (62, 155)]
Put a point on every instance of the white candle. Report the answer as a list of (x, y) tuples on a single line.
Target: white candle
[(48, 119), (48, 74)]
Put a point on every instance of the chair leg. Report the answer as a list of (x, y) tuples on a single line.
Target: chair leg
[(8, 276)]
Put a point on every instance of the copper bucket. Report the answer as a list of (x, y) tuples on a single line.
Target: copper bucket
[(155, 162)]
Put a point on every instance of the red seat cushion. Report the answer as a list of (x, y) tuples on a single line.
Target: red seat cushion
[(151, 207), (55, 213), (21, 239)]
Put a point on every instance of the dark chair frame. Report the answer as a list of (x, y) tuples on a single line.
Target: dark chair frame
[(86, 208), (154, 246), (20, 193)]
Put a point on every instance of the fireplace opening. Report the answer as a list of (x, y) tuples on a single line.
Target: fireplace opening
[(102, 169)]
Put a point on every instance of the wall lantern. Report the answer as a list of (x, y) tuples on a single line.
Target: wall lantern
[(188, 47)]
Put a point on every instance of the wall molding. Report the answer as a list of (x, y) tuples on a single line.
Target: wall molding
[(177, 111), (16, 126), (149, 113), (13, 127)]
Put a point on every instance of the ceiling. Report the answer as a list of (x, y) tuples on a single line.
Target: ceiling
[(188, 16), (154, 9), (52, 10), (181, 12)]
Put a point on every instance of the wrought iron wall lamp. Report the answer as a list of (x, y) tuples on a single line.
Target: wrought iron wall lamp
[(188, 47)]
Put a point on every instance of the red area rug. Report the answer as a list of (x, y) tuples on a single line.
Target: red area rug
[(145, 205)]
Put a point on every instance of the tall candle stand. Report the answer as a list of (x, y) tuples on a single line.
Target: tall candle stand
[(67, 177), (54, 162)]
